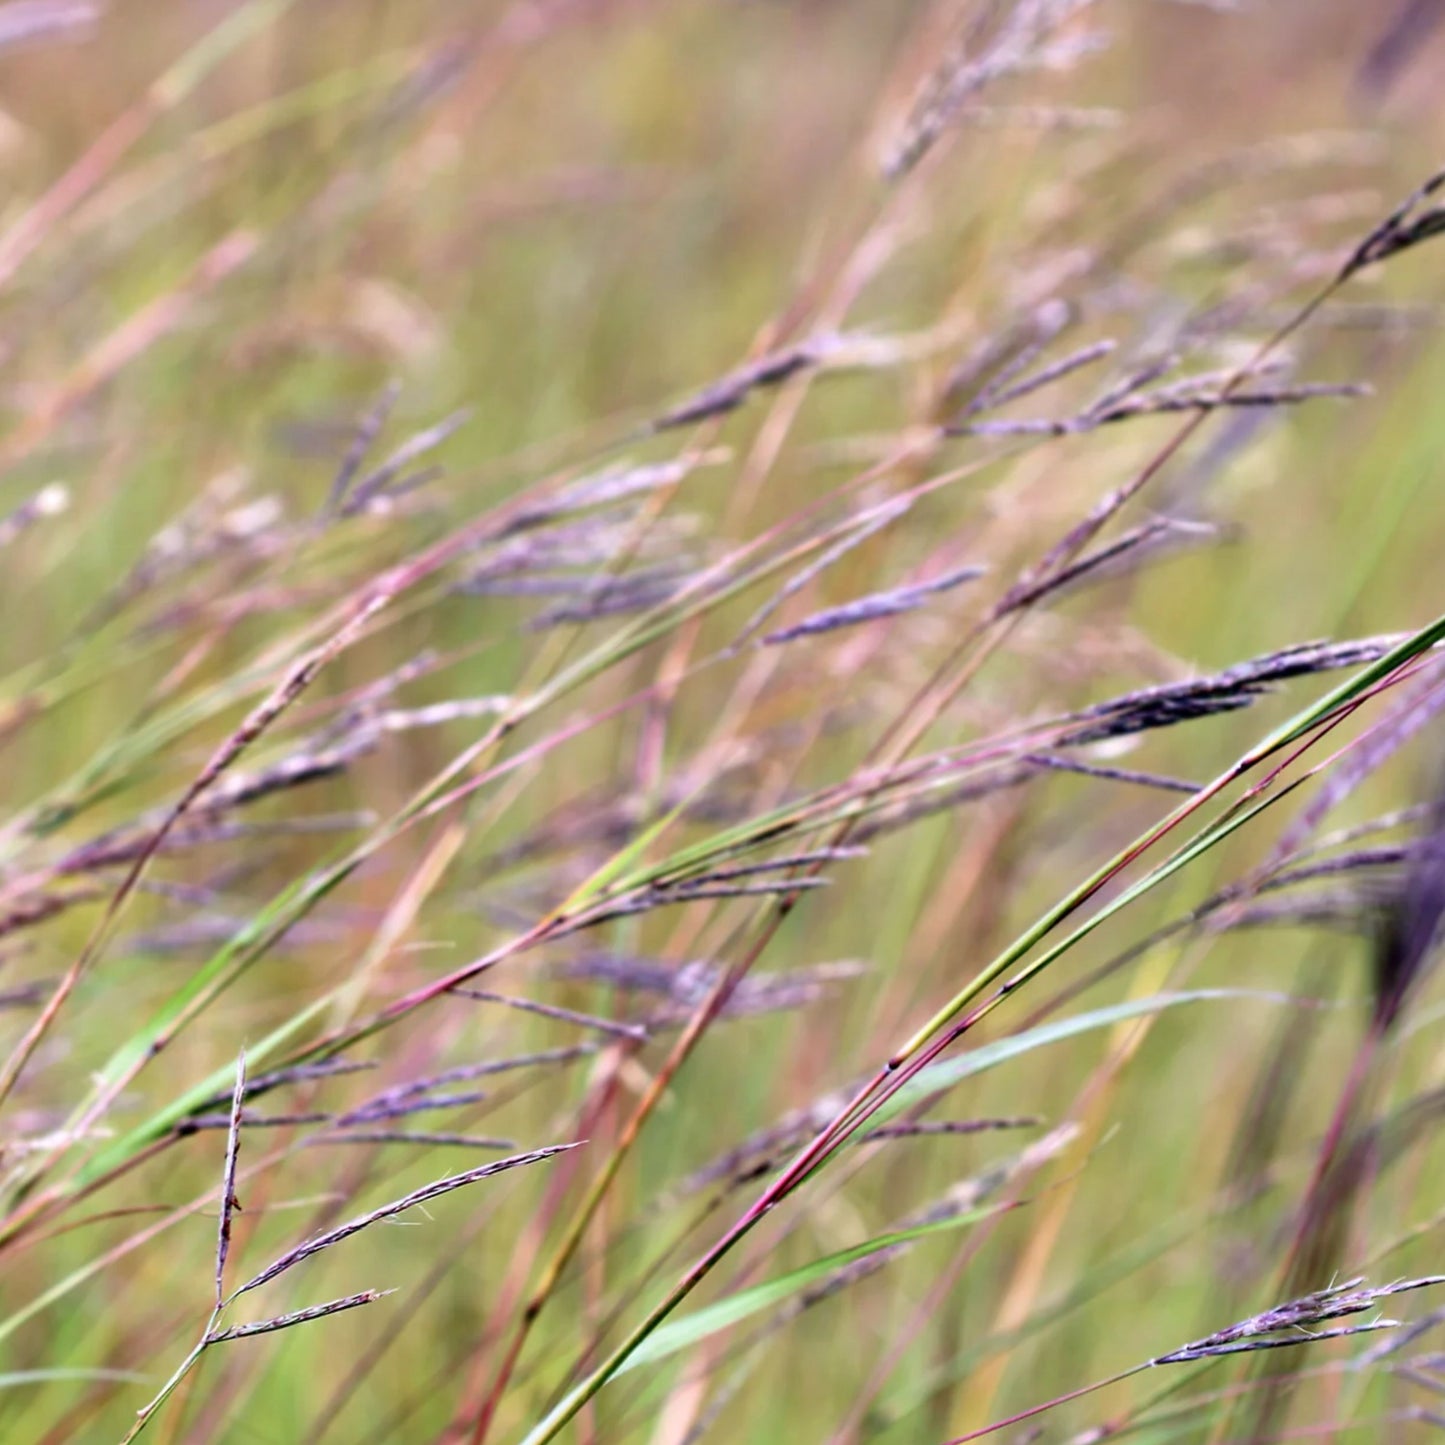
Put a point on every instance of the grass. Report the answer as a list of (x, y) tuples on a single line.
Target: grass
[(718, 722)]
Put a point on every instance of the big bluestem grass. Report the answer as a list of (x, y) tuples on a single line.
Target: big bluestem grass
[(876, 678)]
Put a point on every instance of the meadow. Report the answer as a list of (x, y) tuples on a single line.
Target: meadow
[(720, 721)]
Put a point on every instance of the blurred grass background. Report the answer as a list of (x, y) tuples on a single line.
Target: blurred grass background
[(566, 216)]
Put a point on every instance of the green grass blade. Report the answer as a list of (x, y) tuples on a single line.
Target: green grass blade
[(691, 1329), (948, 1072)]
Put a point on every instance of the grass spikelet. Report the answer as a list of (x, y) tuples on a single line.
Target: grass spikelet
[(1032, 34), (874, 607), (435, 1190), (1410, 224), (297, 1317), (229, 1202), (1412, 930)]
